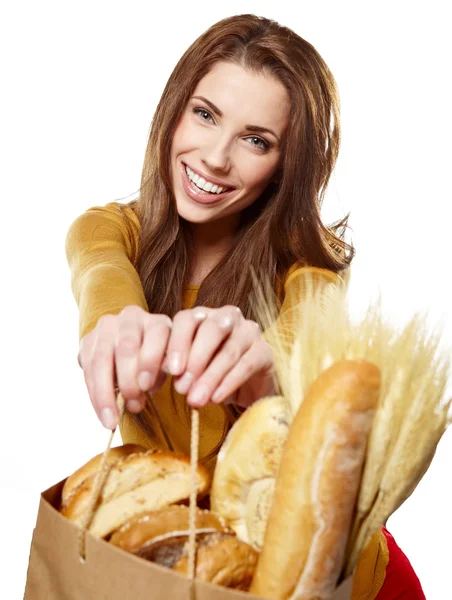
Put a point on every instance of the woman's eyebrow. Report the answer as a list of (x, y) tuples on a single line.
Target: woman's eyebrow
[(218, 112)]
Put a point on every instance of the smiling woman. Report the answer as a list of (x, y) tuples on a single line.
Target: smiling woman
[(221, 151), (242, 146)]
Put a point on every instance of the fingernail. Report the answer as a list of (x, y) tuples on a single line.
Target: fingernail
[(144, 381), (199, 314), (108, 418), (134, 406), (198, 395), (183, 384), (217, 395), (225, 322), (175, 363)]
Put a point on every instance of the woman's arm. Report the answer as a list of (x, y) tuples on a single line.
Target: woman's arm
[(98, 251), (115, 323)]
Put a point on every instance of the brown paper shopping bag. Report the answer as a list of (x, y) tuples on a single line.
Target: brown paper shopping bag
[(56, 573)]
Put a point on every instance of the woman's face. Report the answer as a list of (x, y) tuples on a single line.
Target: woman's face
[(230, 135)]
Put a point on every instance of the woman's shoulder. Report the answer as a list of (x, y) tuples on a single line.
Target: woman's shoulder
[(301, 279), (111, 213), (110, 223), (300, 269)]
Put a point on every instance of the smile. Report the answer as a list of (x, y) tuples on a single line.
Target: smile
[(210, 194)]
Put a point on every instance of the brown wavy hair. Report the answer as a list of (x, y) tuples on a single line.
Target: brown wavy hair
[(283, 225)]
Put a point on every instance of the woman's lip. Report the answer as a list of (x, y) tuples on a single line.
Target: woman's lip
[(198, 197), (211, 179)]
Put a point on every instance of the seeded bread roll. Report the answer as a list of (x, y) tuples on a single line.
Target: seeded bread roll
[(139, 482), (317, 485)]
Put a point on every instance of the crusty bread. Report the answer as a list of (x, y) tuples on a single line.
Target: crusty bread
[(153, 526), (221, 559), (139, 482), (317, 485), (247, 463), (161, 536), (91, 467)]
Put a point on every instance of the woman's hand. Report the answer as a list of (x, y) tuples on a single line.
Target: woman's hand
[(129, 349), (219, 355)]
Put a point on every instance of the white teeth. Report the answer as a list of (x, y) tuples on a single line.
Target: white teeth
[(207, 186)]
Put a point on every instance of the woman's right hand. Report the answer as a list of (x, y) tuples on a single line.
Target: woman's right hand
[(125, 350)]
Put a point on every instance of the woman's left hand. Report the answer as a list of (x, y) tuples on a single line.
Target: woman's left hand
[(217, 355)]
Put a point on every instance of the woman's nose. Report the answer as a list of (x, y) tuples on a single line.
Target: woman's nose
[(216, 156)]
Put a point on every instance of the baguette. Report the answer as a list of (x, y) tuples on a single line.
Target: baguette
[(317, 485)]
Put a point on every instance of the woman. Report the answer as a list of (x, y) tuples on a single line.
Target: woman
[(250, 114)]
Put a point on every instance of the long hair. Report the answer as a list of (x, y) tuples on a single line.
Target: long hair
[(283, 225)]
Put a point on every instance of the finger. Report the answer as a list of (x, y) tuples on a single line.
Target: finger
[(86, 347), (99, 372), (127, 349), (209, 337), (185, 325), (228, 355), (208, 340), (156, 334), (256, 362)]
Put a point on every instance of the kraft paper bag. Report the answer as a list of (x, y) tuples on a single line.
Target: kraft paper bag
[(56, 573)]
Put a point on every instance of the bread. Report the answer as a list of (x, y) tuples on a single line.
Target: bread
[(151, 527), (243, 482), (139, 482), (221, 559), (91, 467), (161, 536), (317, 485)]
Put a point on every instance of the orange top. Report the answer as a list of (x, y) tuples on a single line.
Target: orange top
[(104, 280)]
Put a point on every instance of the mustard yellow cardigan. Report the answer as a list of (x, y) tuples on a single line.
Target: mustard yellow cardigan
[(104, 281)]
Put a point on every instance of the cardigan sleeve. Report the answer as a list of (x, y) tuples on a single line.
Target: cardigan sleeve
[(296, 285), (99, 246)]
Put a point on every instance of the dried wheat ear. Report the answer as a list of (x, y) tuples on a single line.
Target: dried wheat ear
[(412, 413)]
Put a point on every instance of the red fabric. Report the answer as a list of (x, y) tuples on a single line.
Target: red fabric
[(401, 582)]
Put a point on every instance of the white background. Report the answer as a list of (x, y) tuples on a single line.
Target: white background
[(80, 83)]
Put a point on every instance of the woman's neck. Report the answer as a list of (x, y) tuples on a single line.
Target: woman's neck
[(211, 241)]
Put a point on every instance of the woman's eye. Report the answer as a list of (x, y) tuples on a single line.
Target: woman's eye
[(264, 145), (206, 116), (201, 112)]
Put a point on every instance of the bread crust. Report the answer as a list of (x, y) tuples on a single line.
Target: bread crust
[(222, 559), (248, 461), (161, 536), (139, 482), (90, 468), (141, 530), (317, 485)]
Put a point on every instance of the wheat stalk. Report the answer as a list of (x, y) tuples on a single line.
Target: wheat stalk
[(411, 416)]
